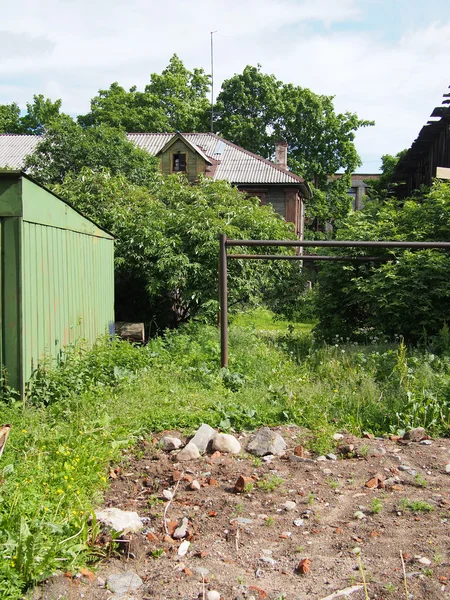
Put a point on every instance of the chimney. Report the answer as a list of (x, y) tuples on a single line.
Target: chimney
[(281, 148)]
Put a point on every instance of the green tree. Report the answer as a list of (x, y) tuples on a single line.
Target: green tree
[(67, 147), (41, 114), (385, 185), (10, 118), (409, 296), (174, 100), (167, 244), (254, 110)]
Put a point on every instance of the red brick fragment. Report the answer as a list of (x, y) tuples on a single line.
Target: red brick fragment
[(261, 593), (171, 526), (176, 476), (88, 574), (187, 571), (242, 483), (215, 455), (304, 566), (298, 450), (212, 513), (372, 483), (168, 539), (152, 537), (213, 482)]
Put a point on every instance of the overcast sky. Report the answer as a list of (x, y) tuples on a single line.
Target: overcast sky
[(386, 60)]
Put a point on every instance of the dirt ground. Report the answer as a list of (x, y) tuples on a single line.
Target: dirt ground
[(250, 544)]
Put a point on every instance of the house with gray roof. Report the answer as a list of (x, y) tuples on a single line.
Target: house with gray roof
[(207, 154)]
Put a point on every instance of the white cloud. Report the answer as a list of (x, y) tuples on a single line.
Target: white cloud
[(86, 45)]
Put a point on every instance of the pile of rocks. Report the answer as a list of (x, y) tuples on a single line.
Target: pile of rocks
[(264, 442)]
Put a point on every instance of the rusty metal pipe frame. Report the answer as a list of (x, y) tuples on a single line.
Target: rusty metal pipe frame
[(309, 257), (223, 269), (337, 244)]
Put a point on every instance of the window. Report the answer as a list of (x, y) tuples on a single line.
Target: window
[(179, 163)]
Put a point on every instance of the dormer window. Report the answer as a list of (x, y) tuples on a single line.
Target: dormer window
[(179, 162)]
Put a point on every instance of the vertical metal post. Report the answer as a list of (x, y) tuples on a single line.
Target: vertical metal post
[(223, 301)]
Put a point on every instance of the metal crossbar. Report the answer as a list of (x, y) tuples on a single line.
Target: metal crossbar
[(224, 256)]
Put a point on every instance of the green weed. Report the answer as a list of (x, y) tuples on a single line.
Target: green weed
[(270, 484), (414, 505), (376, 506)]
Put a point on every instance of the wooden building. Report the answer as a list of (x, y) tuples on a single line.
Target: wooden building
[(429, 155)]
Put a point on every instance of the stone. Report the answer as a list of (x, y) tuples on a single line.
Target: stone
[(242, 521), (124, 583), (298, 522), (321, 458), (268, 458), (269, 560), (225, 442), (300, 459), (213, 595), (194, 485), (424, 561), (377, 451), (189, 452), (327, 472), (167, 494), (359, 515), (447, 468), (184, 547), (338, 436), (425, 442), (181, 531), (202, 437), (289, 505), (265, 441), (331, 456), (169, 443), (416, 435), (122, 521), (203, 571)]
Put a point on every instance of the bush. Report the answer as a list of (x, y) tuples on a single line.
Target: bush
[(409, 296)]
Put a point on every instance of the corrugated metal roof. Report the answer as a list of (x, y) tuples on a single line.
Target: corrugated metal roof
[(235, 164), (232, 163), (14, 149)]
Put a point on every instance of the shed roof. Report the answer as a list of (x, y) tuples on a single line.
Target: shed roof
[(230, 162), (71, 219)]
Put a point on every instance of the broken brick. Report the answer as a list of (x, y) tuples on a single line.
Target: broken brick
[(304, 566), (261, 593), (242, 483)]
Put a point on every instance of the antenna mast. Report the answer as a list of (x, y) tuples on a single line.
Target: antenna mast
[(212, 81)]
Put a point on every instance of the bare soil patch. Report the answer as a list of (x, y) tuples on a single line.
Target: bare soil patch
[(251, 544)]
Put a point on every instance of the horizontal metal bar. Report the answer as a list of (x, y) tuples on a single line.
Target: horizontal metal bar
[(337, 244), (309, 257)]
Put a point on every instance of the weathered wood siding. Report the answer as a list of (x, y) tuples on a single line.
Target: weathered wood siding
[(194, 163)]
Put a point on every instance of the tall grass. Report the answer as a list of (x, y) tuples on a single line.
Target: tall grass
[(81, 417)]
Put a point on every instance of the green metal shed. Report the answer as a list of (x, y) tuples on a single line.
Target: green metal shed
[(56, 276)]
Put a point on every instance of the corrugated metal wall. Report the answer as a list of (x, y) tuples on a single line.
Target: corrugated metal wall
[(56, 277), (67, 287)]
